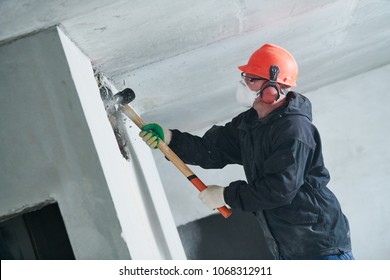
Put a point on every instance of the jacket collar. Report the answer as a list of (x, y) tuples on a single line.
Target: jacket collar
[(296, 104)]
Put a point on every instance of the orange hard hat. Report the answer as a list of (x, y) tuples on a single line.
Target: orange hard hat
[(262, 59)]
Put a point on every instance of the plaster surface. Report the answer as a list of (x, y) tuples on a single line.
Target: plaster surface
[(180, 57)]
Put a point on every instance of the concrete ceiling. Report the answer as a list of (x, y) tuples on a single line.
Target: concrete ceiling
[(180, 56)]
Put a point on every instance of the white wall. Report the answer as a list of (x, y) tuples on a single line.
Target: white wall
[(56, 144), (350, 116), (137, 192), (47, 152)]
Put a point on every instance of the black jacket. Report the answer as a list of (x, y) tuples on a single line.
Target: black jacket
[(286, 184)]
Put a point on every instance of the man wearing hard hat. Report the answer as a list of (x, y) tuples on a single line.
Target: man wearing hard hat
[(280, 149)]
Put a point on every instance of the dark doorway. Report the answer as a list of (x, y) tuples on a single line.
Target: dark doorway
[(37, 235)]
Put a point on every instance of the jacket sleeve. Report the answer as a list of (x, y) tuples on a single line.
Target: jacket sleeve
[(217, 148), (276, 184)]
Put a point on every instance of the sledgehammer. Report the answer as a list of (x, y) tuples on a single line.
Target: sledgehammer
[(127, 95)]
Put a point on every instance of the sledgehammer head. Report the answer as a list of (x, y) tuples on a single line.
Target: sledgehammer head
[(124, 97)]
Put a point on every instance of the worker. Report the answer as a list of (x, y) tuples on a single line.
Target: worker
[(280, 149)]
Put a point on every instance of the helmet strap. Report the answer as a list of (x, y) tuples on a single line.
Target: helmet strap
[(273, 76)]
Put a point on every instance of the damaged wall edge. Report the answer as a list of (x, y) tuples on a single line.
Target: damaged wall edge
[(141, 160), (113, 115)]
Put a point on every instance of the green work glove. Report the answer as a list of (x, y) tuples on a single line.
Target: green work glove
[(152, 133)]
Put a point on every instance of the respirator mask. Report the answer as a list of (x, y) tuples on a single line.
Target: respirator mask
[(244, 95)]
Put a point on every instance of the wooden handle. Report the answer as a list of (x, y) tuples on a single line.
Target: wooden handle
[(129, 112)]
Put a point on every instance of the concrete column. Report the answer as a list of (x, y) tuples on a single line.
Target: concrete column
[(56, 144)]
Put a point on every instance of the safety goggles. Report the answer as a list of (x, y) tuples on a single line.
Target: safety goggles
[(250, 80)]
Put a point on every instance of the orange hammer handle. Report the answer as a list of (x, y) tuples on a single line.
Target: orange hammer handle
[(129, 112)]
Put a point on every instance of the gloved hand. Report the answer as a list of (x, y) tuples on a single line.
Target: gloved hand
[(151, 133), (212, 197)]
